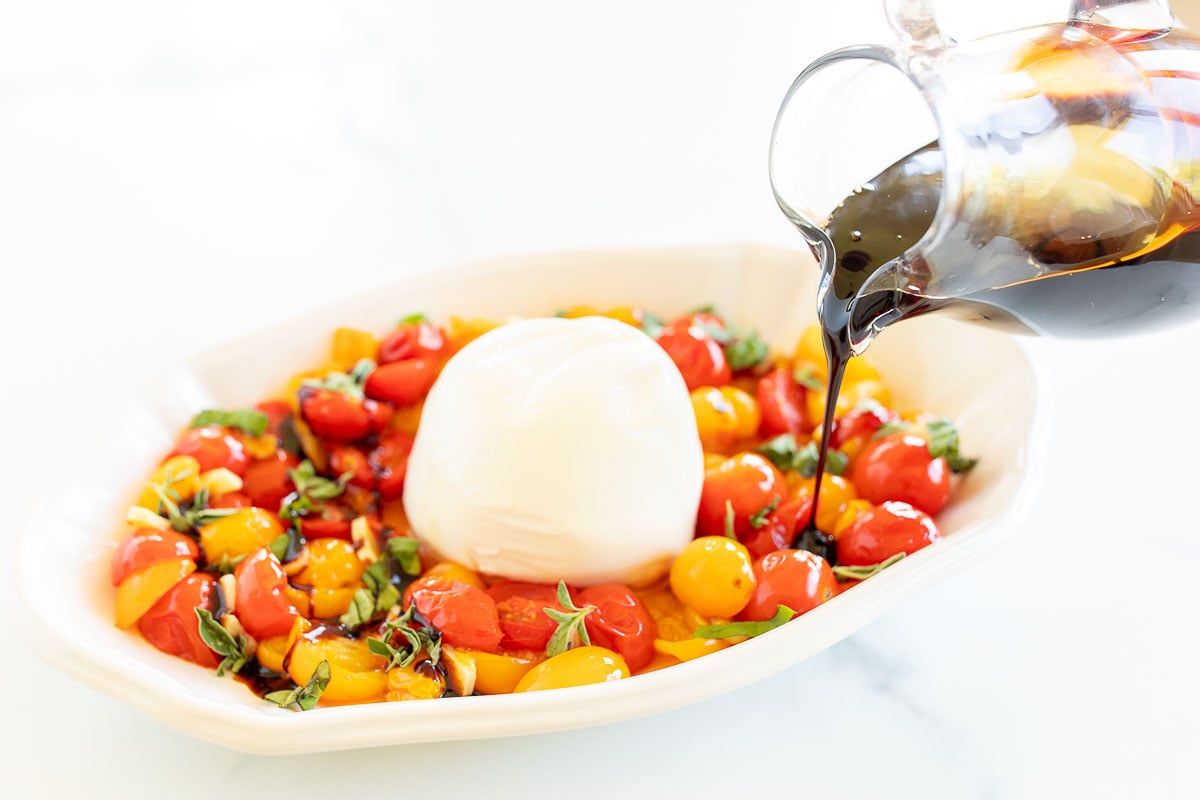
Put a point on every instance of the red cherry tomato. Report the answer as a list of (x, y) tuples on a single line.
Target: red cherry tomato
[(699, 357), (882, 532), (345, 458), (277, 411), (266, 482), (748, 482), (171, 624), (797, 579), (782, 403), (389, 461), (146, 546), (860, 423), (213, 447), (412, 340), (328, 520), (899, 467), (231, 500), (465, 615), (620, 623), (262, 605), (402, 382), (337, 416), (521, 607), (780, 528)]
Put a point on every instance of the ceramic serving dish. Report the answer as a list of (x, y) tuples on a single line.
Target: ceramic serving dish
[(981, 379)]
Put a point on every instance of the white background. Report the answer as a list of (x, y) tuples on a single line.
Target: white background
[(173, 175)]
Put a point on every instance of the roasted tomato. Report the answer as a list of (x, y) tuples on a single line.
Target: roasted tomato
[(781, 404), (145, 546), (171, 624), (267, 482), (213, 447), (899, 467), (465, 615), (748, 483), (880, 533), (345, 458), (262, 604), (698, 355), (389, 462), (336, 416), (402, 382), (411, 340), (797, 579), (779, 527), (522, 610), (620, 622)]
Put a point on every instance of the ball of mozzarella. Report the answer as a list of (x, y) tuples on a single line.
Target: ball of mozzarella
[(557, 449)]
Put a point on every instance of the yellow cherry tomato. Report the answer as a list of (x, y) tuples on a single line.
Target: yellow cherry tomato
[(499, 673), (836, 493), (350, 346), (453, 571), (714, 576), (576, 667), (725, 417), (688, 649), (178, 477), (853, 510), (239, 534), (355, 673), (142, 589), (417, 681)]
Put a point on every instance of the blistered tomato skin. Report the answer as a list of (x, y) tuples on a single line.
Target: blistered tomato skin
[(620, 622), (336, 416), (262, 605), (145, 546), (402, 382), (213, 448), (748, 482), (782, 405), (899, 467), (878, 534), (266, 482), (521, 607), (412, 340), (389, 463), (171, 624), (465, 615), (779, 528), (797, 579), (578, 666), (345, 458)]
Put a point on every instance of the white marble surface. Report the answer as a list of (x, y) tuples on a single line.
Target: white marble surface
[(172, 175)]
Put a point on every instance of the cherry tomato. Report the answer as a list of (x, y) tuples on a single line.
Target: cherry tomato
[(171, 624), (748, 482), (277, 411), (523, 618), (880, 533), (213, 447), (401, 382), (781, 402), (780, 528), (262, 604), (860, 424), (337, 416), (231, 500), (899, 467), (797, 579), (412, 340), (465, 615), (329, 520), (578, 666), (389, 461), (713, 576), (145, 546), (266, 482), (348, 458), (699, 357), (620, 623)]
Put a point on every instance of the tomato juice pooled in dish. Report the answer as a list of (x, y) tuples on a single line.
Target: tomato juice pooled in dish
[(272, 543)]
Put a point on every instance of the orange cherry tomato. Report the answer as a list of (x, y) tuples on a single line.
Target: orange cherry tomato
[(262, 604), (465, 615), (699, 357), (266, 482), (797, 579), (880, 533), (145, 546), (781, 403), (748, 482), (899, 467), (171, 624), (213, 447)]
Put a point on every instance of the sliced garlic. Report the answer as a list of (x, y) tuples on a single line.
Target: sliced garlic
[(140, 517), (220, 481)]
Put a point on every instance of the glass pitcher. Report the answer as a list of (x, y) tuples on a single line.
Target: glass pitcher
[(1044, 179)]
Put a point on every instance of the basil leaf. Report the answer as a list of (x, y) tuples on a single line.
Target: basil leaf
[(784, 452), (360, 611), (746, 351), (855, 573), (279, 546), (943, 441), (250, 420), (759, 518), (730, 517), (411, 319), (306, 696), (726, 629), (652, 324), (221, 642), (405, 551), (806, 376), (888, 428)]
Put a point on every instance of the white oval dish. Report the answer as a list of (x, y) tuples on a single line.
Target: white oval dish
[(981, 379)]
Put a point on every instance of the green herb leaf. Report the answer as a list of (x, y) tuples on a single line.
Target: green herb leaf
[(309, 484), (707, 308), (806, 376), (759, 518), (294, 510), (226, 565), (279, 546), (360, 611), (721, 336), (415, 640), (843, 573), (785, 452), (221, 642), (350, 383), (746, 351), (652, 324), (943, 441), (730, 517), (571, 630), (726, 629), (305, 696), (410, 319), (250, 420), (404, 550), (888, 428)]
